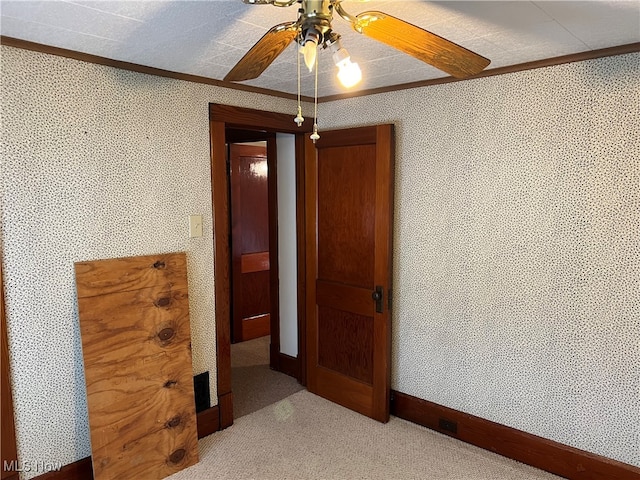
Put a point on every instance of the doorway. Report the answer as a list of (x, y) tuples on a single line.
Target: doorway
[(357, 372), (263, 266), (228, 124)]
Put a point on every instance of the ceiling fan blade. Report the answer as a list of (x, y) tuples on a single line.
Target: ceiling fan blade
[(417, 42), (263, 53)]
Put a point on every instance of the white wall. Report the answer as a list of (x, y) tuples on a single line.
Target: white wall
[(287, 247), (517, 248), (96, 163)]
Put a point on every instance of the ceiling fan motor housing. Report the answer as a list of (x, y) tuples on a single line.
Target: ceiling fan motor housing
[(315, 20)]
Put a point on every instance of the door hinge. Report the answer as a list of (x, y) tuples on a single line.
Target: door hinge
[(390, 296)]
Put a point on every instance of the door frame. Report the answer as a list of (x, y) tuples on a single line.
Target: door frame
[(221, 118)]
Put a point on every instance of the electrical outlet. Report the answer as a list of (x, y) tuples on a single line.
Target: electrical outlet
[(448, 425)]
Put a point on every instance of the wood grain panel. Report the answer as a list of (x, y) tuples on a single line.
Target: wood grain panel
[(345, 297), (344, 391), (254, 262), (263, 53), (208, 423), (250, 205), (346, 214), (355, 136), (126, 274), (256, 298), (254, 327), (421, 44), (345, 343), (134, 320)]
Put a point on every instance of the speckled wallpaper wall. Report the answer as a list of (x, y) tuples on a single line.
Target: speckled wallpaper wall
[(517, 248), (517, 235), (96, 163)]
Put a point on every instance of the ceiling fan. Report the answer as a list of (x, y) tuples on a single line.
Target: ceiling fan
[(313, 28)]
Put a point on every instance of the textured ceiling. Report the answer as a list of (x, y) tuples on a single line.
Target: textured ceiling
[(208, 37)]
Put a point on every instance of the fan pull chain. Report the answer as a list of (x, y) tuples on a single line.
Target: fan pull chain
[(299, 118), (314, 136)]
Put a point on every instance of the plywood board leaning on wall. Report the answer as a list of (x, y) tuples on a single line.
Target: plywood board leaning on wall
[(136, 342)]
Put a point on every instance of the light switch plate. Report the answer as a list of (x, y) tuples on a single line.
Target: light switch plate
[(195, 226)]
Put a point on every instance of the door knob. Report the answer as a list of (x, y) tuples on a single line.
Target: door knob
[(377, 296)]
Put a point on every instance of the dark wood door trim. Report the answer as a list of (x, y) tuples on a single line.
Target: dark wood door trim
[(383, 269), (221, 118), (303, 148), (274, 284), (222, 259), (249, 119)]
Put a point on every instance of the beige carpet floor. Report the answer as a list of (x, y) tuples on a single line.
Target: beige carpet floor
[(253, 383), (307, 437)]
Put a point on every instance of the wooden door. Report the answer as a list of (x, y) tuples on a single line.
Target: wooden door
[(250, 265), (349, 202)]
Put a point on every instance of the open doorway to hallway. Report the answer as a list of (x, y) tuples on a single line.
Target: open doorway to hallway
[(290, 360), (263, 266)]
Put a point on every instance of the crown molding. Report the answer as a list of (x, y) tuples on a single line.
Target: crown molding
[(134, 67), (548, 62)]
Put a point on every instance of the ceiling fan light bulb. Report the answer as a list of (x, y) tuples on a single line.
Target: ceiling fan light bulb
[(309, 51), (310, 47), (349, 73)]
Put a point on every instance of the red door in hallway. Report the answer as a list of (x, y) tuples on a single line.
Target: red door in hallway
[(349, 205), (251, 305)]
